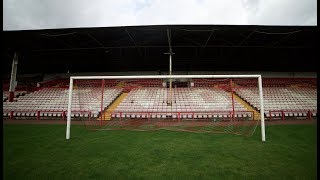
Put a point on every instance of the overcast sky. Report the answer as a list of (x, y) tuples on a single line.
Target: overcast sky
[(48, 14)]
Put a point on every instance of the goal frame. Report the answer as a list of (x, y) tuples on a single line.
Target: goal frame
[(263, 135)]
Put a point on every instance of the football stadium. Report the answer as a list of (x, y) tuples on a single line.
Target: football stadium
[(160, 101), (152, 89)]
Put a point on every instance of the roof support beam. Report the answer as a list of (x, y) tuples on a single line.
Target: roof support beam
[(246, 38), (95, 40), (278, 42), (55, 37), (178, 46), (193, 41), (169, 40), (135, 44), (208, 38)]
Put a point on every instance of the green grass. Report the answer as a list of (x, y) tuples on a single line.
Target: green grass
[(41, 152)]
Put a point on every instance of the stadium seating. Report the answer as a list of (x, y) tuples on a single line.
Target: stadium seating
[(277, 82), (53, 101), (293, 101), (148, 98), (189, 102), (5, 94)]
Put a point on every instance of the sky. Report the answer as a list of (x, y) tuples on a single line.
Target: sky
[(52, 14)]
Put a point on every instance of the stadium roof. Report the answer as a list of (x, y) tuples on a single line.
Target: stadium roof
[(142, 48)]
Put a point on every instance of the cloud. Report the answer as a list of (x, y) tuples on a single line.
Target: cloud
[(284, 12), (192, 12), (47, 14)]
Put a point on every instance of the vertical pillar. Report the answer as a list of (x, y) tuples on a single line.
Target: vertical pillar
[(69, 109), (232, 98), (13, 82), (170, 73), (263, 133), (102, 92)]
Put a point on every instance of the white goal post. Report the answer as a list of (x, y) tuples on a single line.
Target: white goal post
[(263, 136)]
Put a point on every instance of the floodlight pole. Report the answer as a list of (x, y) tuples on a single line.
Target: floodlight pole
[(170, 73), (170, 63), (69, 109), (13, 81), (263, 133)]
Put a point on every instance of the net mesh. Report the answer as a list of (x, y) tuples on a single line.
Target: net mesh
[(192, 105)]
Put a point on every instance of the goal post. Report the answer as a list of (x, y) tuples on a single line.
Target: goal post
[(72, 78)]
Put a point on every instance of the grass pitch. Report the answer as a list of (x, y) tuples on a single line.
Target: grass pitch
[(41, 152)]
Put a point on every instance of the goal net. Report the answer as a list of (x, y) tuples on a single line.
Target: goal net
[(191, 103)]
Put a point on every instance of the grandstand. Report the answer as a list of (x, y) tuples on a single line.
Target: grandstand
[(62, 77), (281, 101), (142, 50), (53, 102), (190, 102), (203, 98)]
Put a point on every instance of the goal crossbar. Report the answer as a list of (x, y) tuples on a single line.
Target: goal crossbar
[(165, 76), (263, 137)]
